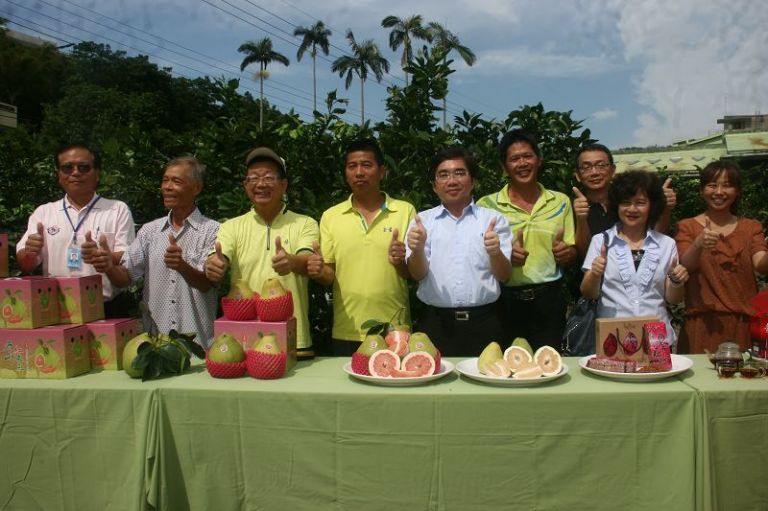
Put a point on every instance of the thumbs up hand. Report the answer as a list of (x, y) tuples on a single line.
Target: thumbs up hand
[(216, 265), (315, 262), (417, 236), (281, 261), (173, 256), (519, 253), (88, 248), (36, 241), (396, 252), (669, 193), (708, 238), (491, 239), (677, 274), (102, 259), (580, 204), (599, 262), (564, 254)]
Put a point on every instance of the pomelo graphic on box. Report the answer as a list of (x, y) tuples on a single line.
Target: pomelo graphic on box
[(27, 302), (108, 338), (80, 299), (52, 352)]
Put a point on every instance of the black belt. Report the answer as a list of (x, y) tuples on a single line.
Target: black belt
[(463, 313), (531, 292)]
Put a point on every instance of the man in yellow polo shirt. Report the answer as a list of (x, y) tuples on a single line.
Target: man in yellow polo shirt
[(362, 251), (543, 243), (268, 241)]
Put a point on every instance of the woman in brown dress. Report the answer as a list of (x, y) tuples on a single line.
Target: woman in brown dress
[(722, 252)]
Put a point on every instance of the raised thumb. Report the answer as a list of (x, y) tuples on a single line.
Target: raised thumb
[(172, 240), (88, 237), (559, 235), (674, 263), (667, 183), (103, 243), (217, 246), (491, 226), (278, 244), (604, 251), (418, 221), (519, 238), (577, 193), (40, 229), (316, 248), (707, 224)]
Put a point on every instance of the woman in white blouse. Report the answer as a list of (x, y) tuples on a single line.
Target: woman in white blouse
[(638, 266)]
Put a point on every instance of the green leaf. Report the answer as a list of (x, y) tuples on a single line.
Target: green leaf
[(153, 370)]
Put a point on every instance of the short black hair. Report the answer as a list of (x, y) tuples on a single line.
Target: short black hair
[(365, 144), (595, 147), (732, 171), (626, 184), (453, 153), (513, 137), (64, 148)]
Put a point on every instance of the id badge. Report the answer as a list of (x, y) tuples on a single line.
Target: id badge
[(74, 259)]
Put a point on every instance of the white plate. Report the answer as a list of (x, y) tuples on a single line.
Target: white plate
[(680, 364), (469, 369), (446, 367)]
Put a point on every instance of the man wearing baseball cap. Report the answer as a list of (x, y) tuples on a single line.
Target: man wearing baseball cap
[(269, 240)]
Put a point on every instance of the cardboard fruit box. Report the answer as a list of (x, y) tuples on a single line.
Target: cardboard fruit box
[(81, 299), (3, 255), (108, 338), (623, 338), (28, 302), (249, 333), (51, 352)]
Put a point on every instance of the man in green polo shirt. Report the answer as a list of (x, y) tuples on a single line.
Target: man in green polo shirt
[(362, 251), (543, 243), (268, 241)]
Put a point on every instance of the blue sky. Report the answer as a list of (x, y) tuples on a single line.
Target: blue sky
[(640, 72)]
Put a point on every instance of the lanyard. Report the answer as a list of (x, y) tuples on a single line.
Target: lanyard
[(79, 223)]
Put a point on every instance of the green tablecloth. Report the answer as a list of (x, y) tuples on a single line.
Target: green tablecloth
[(319, 439)]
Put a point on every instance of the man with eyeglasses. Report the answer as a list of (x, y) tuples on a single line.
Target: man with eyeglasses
[(594, 171), (168, 253), (62, 234), (362, 252), (534, 304), (269, 241), (460, 254)]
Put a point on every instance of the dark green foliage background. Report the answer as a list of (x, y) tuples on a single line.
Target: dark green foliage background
[(140, 116)]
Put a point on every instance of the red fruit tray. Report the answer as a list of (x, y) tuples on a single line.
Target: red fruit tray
[(269, 367), (279, 308), (239, 310), (230, 370)]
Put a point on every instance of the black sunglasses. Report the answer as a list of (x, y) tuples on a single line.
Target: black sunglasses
[(82, 168)]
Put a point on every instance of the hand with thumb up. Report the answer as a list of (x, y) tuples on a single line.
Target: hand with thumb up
[(491, 239), (102, 258), (519, 253), (580, 204), (88, 248), (216, 265), (417, 236), (173, 256), (396, 252), (35, 241), (315, 262), (281, 261), (677, 274), (599, 262)]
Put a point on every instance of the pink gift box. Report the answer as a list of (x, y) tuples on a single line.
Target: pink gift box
[(249, 333), (51, 352), (28, 302), (81, 299), (108, 338)]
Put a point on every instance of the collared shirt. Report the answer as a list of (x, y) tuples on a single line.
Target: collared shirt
[(175, 304), (630, 292), (109, 217), (599, 219), (459, 267), (366, 286), (551, 212), (249, 244)]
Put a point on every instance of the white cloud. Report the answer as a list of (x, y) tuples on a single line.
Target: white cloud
[(536, 63), (604, 114)]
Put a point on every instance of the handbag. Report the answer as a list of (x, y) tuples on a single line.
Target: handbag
[(579, 334)]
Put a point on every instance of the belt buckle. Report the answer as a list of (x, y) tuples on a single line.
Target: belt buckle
[(526, 295), (461, 315)]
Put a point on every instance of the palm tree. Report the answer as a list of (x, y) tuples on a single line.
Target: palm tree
[(403, 32), (448, 41), (261, 51), (365, 56), (314, 36)]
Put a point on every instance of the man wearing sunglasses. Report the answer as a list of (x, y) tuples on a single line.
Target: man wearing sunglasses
[(61, 235), (269, 241)]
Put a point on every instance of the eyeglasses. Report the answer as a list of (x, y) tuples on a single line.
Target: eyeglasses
[(268, 179), (82, 168), (445, 175), (601, 166)]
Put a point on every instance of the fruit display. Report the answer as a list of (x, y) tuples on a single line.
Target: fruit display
[(398, 355), (274, 303), (519, 361), (266, 361), (225, 358)]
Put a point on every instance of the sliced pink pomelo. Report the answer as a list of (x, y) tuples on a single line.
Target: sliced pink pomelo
[(383, 363), (421, 362)]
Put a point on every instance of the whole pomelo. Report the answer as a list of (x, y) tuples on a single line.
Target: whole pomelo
[(129, 353)]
